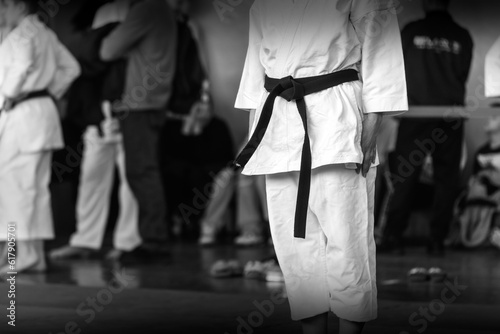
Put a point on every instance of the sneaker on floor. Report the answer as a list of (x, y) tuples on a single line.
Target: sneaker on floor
[(206, 240), (495, 237), (114, 255), (274, 274), (249, 240), (226, 269), (70, 252), (254, 270)]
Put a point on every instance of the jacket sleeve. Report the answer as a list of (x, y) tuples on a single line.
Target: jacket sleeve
[(382, 64), (18, 70), (67, 71), (252, 80), (128, 33)]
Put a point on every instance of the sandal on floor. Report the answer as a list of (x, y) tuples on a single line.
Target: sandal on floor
[(254, 270), (437, 275), (418, 274), (226, 269)]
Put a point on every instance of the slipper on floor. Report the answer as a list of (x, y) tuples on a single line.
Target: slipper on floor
[(254, 270), (437, 275), (418, 274), (226, 269), (259, 269)]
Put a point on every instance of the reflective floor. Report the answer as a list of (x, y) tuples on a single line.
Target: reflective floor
[(188, 269), (178, 294)]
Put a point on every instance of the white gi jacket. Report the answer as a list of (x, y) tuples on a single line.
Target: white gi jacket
[(305, 38), (32, 59), (492, 71)]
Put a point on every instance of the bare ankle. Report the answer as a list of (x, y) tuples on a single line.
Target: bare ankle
[(315, 325), (350, 327)]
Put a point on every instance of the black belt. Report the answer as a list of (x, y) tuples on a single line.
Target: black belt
[(25, 97), (294, 89)]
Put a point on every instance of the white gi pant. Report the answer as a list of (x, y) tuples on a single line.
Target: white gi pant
[(94, 192), (24, 187), (333, 268)]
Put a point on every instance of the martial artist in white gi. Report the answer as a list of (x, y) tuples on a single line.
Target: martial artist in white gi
[(96, 179), (34, 66), (330, 266)]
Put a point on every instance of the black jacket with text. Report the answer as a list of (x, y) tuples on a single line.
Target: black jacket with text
[(438, 55)]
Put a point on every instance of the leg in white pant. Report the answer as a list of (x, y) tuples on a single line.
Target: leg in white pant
[(223, 186), (333, 268), (96, 182), (252, 206), (126, 235)]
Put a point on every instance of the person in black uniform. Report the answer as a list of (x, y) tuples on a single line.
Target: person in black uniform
[(438, 54)]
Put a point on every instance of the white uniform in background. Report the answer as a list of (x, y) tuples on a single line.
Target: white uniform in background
[(333, 268), (31, 59), (492, 71), (100, 156)]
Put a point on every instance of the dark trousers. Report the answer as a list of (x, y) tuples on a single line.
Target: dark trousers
[(141, 131), (417, 137)]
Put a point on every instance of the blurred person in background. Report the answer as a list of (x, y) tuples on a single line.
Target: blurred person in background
[(251, 209), (195, 143), (147, 38), (35, 68), (438, 55), (100, 83)]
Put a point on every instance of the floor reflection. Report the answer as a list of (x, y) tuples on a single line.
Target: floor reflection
[(188, 269)]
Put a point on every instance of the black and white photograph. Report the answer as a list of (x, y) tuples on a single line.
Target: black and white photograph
[(249, 166)]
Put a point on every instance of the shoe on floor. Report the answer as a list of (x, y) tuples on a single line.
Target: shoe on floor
[(70, 252), (267, 270), (418, 274), (226, 269), (495, 237), (206, 240), (249, 240), (114, 255), (274, 274), (437, 275)]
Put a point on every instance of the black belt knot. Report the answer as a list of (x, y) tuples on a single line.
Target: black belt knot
[(292, 89)]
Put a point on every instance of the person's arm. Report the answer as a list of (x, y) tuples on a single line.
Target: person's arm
[(18, 70), (67, 71), (381, 69), (251, 87), (382, 65), (130, 32)]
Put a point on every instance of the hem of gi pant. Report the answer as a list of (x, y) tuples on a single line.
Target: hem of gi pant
[(79, 244), (3, 237), (350, 317), (300, 315)]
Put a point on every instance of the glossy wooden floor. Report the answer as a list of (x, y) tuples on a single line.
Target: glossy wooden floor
[(176, 295)]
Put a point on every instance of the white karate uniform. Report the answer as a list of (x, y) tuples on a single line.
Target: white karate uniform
[(492, 71), (334, 267), (97, 175), (31, 59)]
